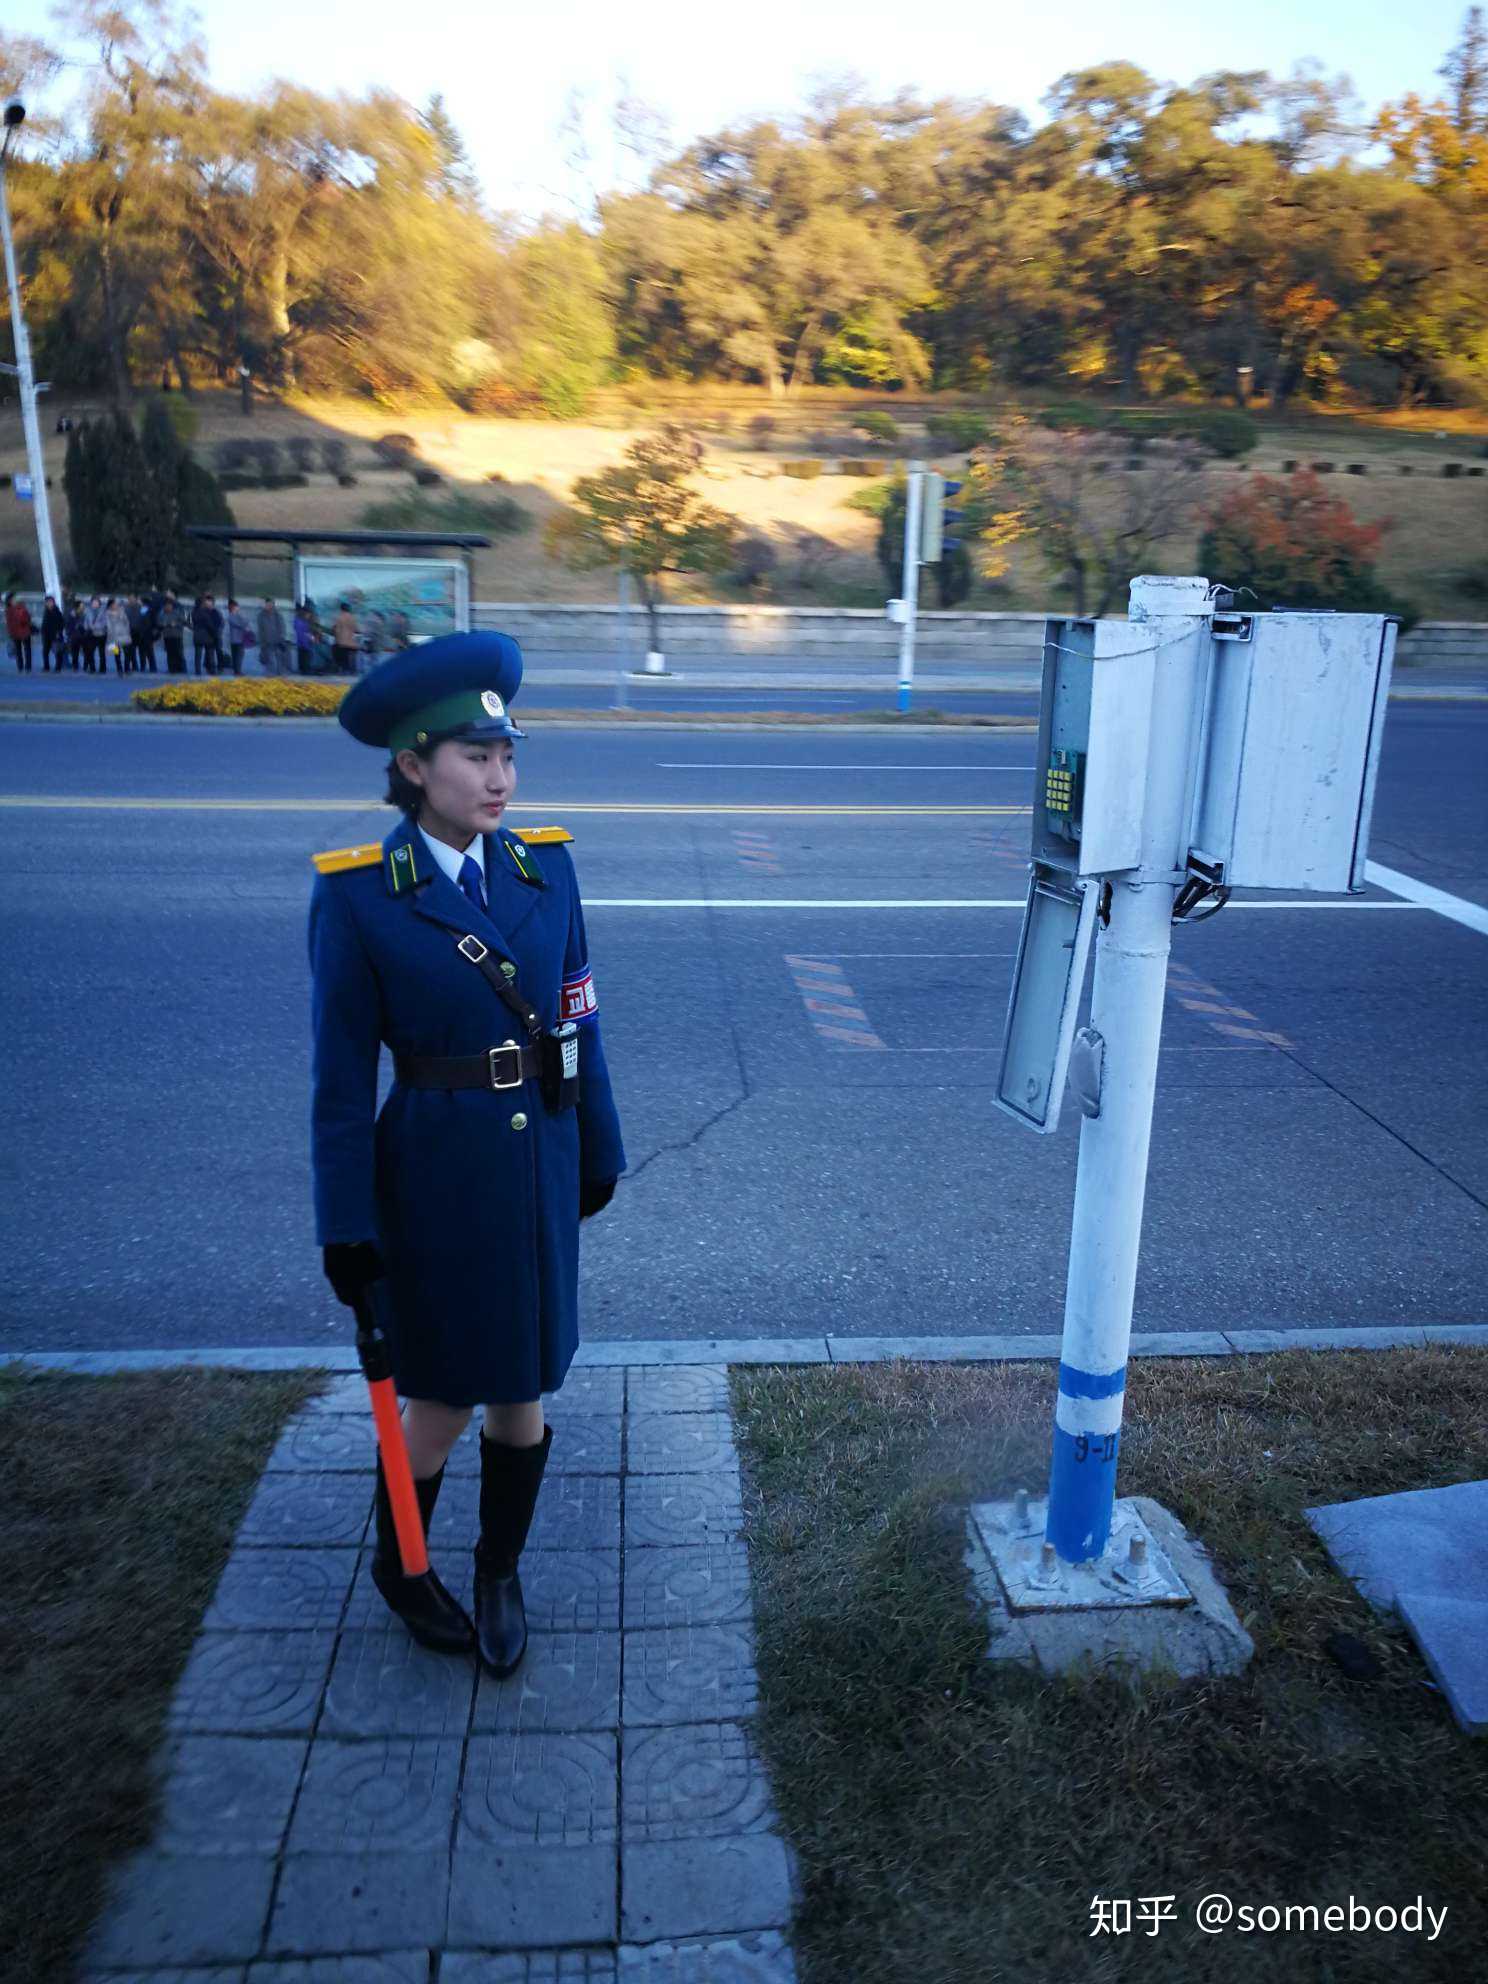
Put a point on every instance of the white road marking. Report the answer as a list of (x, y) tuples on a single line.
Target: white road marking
[(1422, 896), (910, 902), (681, 765), (54, 802)]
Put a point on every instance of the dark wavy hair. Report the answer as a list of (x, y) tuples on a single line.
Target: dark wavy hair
[(402, 792)]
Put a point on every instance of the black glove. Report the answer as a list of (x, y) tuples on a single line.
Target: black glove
[(594, 1195), (350, 1265)]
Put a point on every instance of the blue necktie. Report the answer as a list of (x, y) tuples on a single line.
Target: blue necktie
[(470, 882)]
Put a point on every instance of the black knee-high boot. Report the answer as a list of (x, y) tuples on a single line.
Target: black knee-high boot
[(510, 1479), (434, 1618)]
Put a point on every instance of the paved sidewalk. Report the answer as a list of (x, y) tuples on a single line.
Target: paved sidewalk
[(341, 1807)]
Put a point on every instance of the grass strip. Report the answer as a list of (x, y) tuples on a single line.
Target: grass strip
[(955, 1818), (123, 1497), (705, 719)]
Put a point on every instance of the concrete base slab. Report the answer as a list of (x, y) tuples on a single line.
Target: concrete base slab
[(1134, 1570), (1178, 1642), (1428, 1540), (1451, 1634), (1424, 1554)]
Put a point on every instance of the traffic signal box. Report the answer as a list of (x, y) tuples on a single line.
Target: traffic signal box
[(1281, 758), (1276, 756)]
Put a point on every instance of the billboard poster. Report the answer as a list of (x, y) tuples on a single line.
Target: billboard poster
[(432, 595)]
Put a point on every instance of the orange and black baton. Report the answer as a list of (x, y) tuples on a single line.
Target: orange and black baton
[(377, 1368)]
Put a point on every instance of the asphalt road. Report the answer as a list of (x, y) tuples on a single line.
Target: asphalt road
[(1318, 1158), (840, 685), (579, 682)]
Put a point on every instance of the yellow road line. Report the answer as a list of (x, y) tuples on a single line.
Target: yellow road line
[(95, 804)]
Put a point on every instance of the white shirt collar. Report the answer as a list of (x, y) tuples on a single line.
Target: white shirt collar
[(451, 859)]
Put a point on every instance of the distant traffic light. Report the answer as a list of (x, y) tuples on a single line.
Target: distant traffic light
[(934, 516)]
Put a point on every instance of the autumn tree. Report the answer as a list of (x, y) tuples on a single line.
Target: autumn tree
[(643, 516), (1293, 543), (1097, 517)]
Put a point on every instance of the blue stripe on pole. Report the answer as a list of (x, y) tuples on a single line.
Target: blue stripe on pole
[(1091, 1384), (1082, 1493)]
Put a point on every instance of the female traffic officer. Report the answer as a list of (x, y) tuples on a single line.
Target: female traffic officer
[(459, 945)]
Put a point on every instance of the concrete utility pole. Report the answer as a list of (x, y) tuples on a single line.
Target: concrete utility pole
[(911, 594), (15, 113)]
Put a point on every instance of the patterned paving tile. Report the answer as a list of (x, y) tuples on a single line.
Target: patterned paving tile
[(252, 1684), (387, 1967), (593, 1966), (338, 1904), (587, 1388), (536, 1853), (338, 1442), (761, 1958), (663, 1509), (690, 1674), (577, 1512), (678, 1388), (388, 1792), (267, 1590), (678, 1442), (693, 1781), (344, 1394), (567, 1681), (705, 1887), (696, 1584), (539, 1790), (385, 1684), (206, 1974), (228, 1794), (298, 1511), (164, 1910)]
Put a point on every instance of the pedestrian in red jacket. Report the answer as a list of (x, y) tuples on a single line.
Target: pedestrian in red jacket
[(18, 631)]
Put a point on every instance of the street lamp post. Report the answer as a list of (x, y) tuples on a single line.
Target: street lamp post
[(15, 112)]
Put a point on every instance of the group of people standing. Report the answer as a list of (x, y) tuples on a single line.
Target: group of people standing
[(124, 631)]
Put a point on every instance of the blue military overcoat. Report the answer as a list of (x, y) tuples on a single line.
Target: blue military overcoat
[(475, 1211)]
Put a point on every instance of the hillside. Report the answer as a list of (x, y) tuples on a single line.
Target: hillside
[(1436, 552)]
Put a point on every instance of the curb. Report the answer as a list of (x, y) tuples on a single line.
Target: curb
[(795, 1350)]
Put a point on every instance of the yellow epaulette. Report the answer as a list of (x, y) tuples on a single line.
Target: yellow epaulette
[(543, 836), (336, 858)]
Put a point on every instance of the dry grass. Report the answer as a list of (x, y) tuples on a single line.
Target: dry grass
[(1436, 544), (122, 1498), (955, 1820)]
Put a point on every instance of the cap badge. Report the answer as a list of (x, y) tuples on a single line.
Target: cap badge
[(492, 704)]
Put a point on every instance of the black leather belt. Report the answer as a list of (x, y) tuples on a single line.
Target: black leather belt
[(497, 1068)]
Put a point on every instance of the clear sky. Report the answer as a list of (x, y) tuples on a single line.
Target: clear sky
[(509, 75)]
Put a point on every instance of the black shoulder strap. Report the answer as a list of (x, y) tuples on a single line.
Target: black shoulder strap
[(502, 979)]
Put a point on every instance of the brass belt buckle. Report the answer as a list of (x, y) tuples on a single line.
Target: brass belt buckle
[(506, 1047)]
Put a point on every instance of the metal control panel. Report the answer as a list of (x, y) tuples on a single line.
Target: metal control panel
[(1053, 951), (1293, 718), (1089, 774)]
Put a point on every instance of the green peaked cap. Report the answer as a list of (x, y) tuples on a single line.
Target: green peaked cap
[(480, 712)]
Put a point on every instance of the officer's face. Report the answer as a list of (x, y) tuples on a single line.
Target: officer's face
[(466, 785)]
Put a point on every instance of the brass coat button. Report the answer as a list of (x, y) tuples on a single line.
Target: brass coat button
[(519, 1121)]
